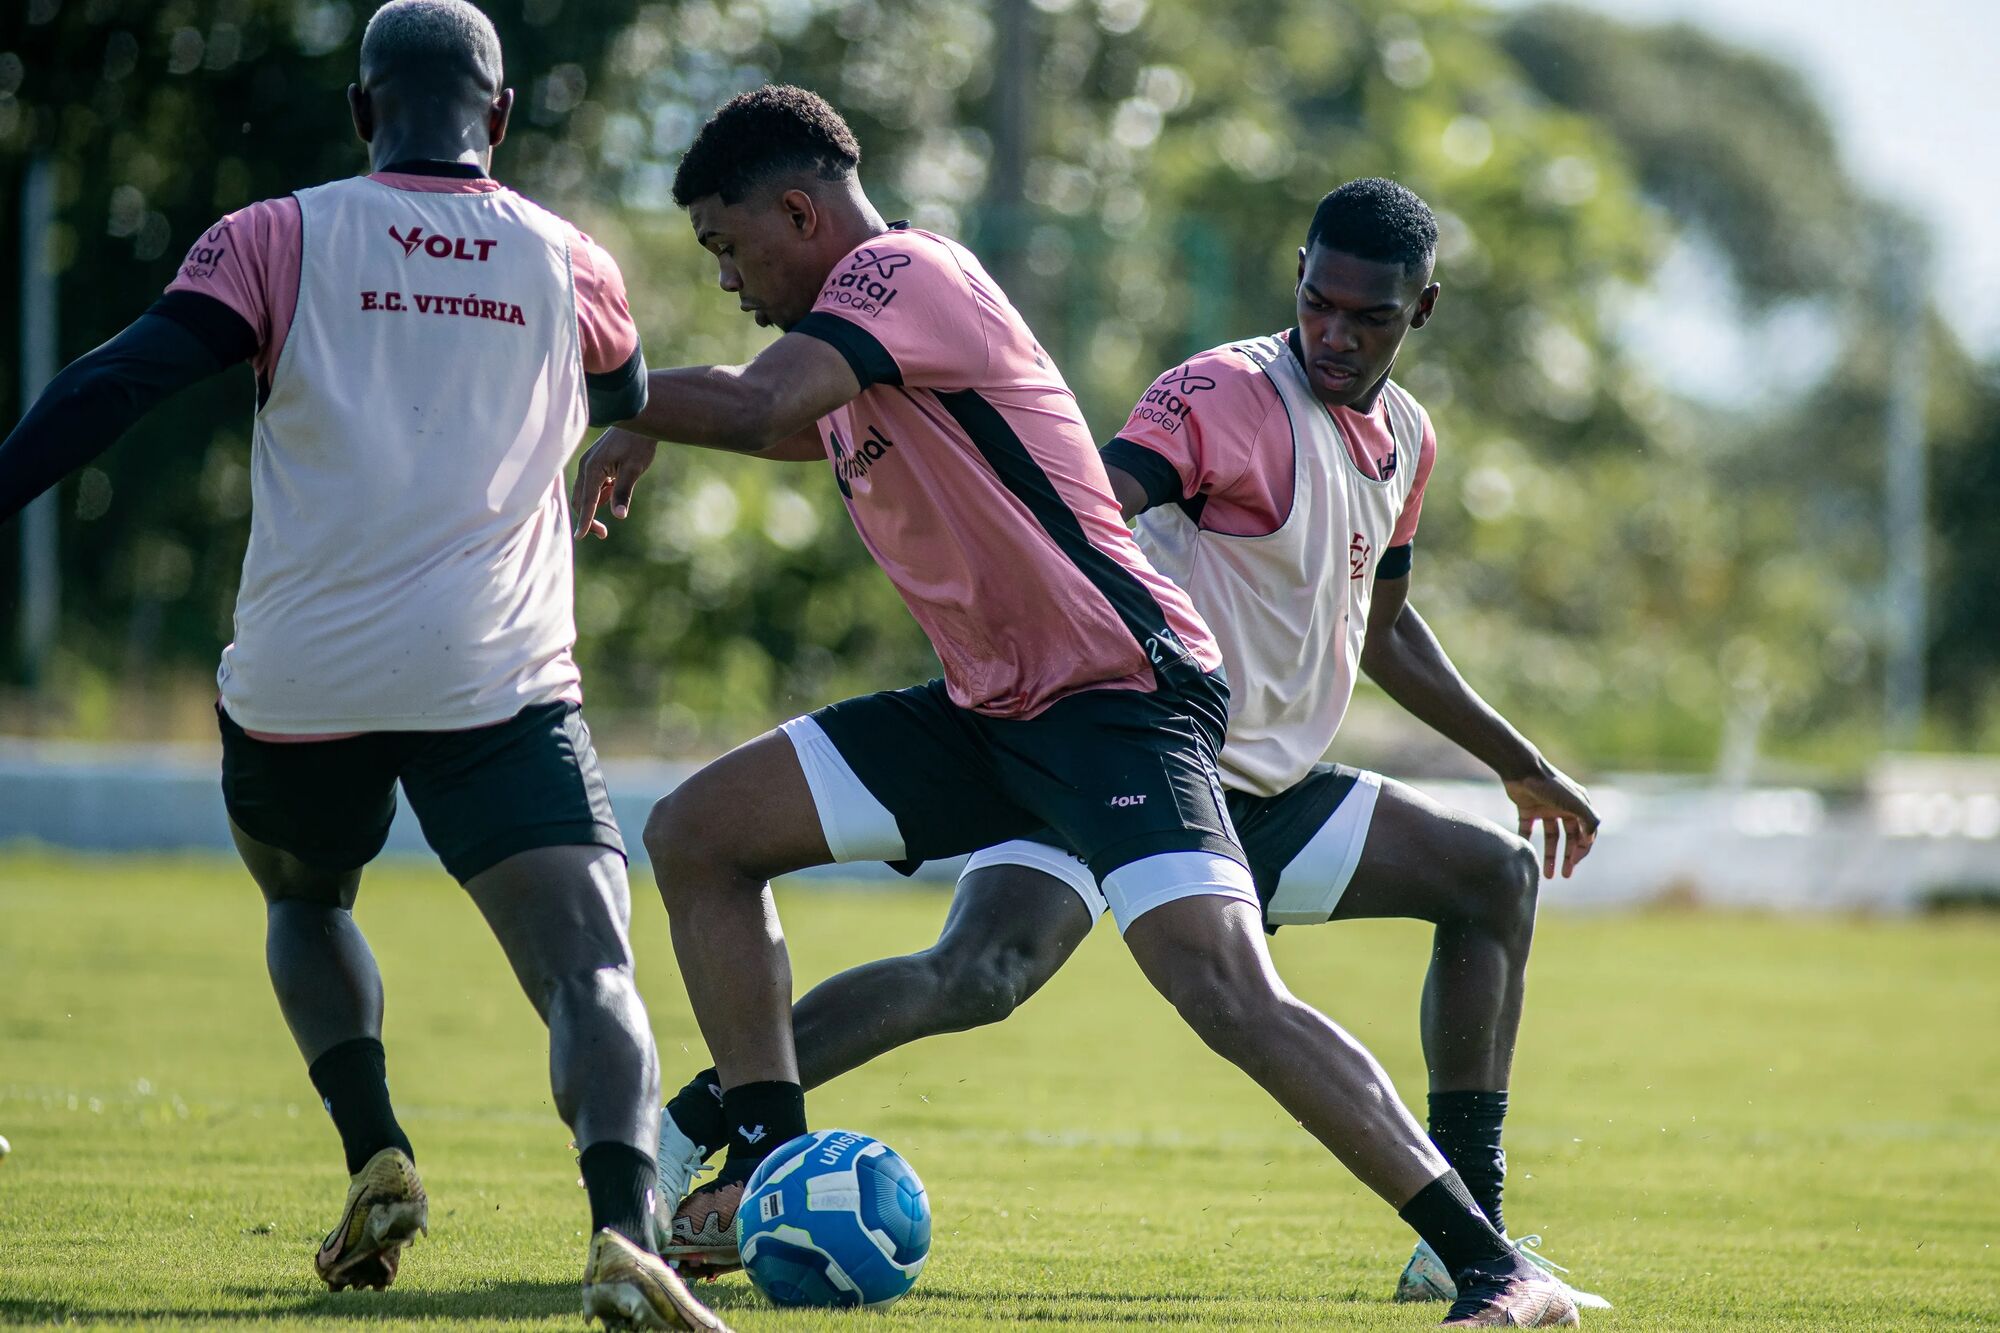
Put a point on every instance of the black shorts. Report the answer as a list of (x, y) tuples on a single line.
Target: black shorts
[(1275, 829), (1120, 775), (481, 795), (1302, 846)]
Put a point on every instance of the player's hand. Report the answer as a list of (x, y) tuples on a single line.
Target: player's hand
[(609, 471), (1563, 809)]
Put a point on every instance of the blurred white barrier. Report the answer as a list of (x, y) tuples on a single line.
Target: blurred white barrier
[(1923, 827)]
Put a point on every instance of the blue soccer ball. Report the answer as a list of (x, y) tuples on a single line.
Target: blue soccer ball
[(834, 1218)]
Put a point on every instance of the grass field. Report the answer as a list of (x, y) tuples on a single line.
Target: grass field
[(1720, 1122)]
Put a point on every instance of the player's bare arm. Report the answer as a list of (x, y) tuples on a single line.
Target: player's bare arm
[(622, 457), (1404, 657), (765, 409)]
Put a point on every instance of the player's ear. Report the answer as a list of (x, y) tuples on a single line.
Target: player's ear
[(497, 116), (363, 112), (1302, 267), (1426, 302), (801, 213)]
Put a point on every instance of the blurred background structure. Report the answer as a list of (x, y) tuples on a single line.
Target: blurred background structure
[(1720, 454)]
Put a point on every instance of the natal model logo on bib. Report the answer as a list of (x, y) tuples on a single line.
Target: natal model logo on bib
[(865, 286)]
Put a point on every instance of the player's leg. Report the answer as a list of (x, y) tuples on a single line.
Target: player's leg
[(899, 777), (1205, 952), (1011, 926), (1139, 796), (305, 819), (1477, 883), (562, 916), (519, 814), (715, 844), (1009, 929)]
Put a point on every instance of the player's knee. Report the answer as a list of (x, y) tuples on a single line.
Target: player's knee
[(1232, 1009), (680, 843), (1512, 891), (983, 985), (1495, 894), (664, 828), (603, 999)]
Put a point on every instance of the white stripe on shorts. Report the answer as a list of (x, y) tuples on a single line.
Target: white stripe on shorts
[(1310, 888), (857, 826), (1153, 881), (1051, 861)]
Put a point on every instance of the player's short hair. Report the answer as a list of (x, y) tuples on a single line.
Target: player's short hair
[(441, 39), (766, 132), (1378, 220)]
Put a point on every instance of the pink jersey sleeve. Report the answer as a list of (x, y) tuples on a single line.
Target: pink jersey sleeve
[(903, 311), (603, 314), (1208, 420), (1413, 507), (249, 261)]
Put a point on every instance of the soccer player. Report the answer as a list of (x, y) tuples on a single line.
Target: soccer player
[(1279, 481), (429, 347), (1081, 692)]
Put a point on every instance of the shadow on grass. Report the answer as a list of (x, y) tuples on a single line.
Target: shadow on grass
[(498, 1302), (506, 1302)]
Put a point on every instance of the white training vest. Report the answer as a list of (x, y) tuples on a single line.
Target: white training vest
[(409, 560), (1290, 609)]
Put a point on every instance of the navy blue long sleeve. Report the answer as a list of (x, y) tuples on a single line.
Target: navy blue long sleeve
[(182, 338)]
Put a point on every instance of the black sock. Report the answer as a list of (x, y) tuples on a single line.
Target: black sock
[(1466, 1128), (354, 1087), (619, 1179), (761, 1117), (697, 1109), (1444, 1214)]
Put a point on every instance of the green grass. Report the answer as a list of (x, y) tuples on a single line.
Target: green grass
[(1721, 1121)]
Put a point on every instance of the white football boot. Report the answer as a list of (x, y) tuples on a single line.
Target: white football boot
[(1425, 1277), (680, 1163)]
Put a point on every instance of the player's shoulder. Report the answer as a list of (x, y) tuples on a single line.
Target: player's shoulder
[(871, 277), (278, 211), (1231, 373), (263, 230), (553, 225), (902, 254)]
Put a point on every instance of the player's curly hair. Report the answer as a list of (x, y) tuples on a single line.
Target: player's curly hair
[(1376, 219), (760, 134)]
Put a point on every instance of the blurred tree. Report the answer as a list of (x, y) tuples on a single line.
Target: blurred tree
[(1737, 149)]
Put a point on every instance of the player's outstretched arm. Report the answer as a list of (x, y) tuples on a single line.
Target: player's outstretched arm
[(746, 409), (183, 339), (765, 409), (620, 457), (1402, 656)]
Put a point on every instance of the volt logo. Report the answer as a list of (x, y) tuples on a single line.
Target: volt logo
[(439, 246)]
